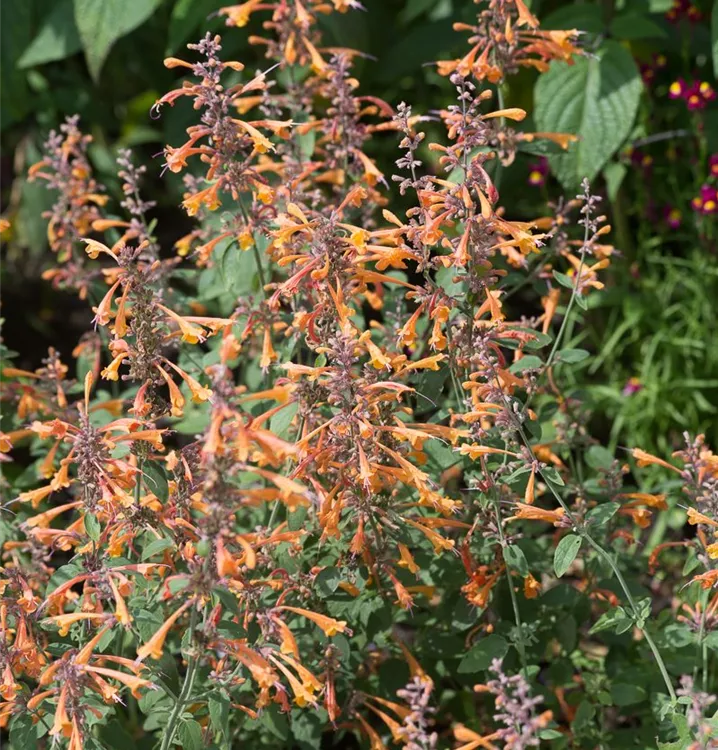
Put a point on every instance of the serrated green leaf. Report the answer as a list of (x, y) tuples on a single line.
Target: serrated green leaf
[(190, 735), (565, 553), (596, 99), (218, 706), (100, 23)]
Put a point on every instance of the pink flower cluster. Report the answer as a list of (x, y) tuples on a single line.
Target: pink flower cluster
[(684, 9), (696, 95), (707, 202)]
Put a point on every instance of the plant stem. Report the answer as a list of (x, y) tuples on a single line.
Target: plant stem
[(186, 686), (616, 570)]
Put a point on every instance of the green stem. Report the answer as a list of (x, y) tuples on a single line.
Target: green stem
[(619, 576), (186, 687)]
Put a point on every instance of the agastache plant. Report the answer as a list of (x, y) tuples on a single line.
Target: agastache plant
[(249, 508)]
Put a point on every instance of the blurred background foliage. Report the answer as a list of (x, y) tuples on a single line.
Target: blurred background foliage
[(654, 367)]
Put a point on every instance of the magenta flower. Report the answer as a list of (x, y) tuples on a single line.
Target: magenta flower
[(633, 385), (537, 172), (707, 202), (672, 217)]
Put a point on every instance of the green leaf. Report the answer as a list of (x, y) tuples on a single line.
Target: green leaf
[(602, 514), (551, 474), (327, 581), (529, 362), (155, 547), (571, 356), (280, 422), (516, 560), (218, 705), (57, 38), (634, 25), (598, 457), (483, 653), (614, 174), (596, 99), (625, 693), (237, 268), (92, 527), (583, 16), (565, 554), (564, 279), (101, 23), (616, 619), (190, 735), (714, 36), (16, 29), (155, 479), (23, 732)]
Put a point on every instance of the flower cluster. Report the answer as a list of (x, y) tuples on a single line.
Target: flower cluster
[(696, 95)]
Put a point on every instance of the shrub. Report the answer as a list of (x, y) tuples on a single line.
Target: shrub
[(320, 477)]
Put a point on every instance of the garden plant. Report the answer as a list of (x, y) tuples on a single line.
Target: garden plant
[(376, 417)]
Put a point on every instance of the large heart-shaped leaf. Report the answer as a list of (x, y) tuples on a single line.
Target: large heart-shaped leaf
[(596, 99), (101, 23)]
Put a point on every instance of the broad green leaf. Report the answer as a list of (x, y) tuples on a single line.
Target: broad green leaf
[(16, 30), (218, 705), (633, 25), (516, 560), (595, 99), (327, 580), (482, 653), (101, 23), (190, 735), (583, 16), (565, 554), (614, 174), (57, 39), (714, 36)]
